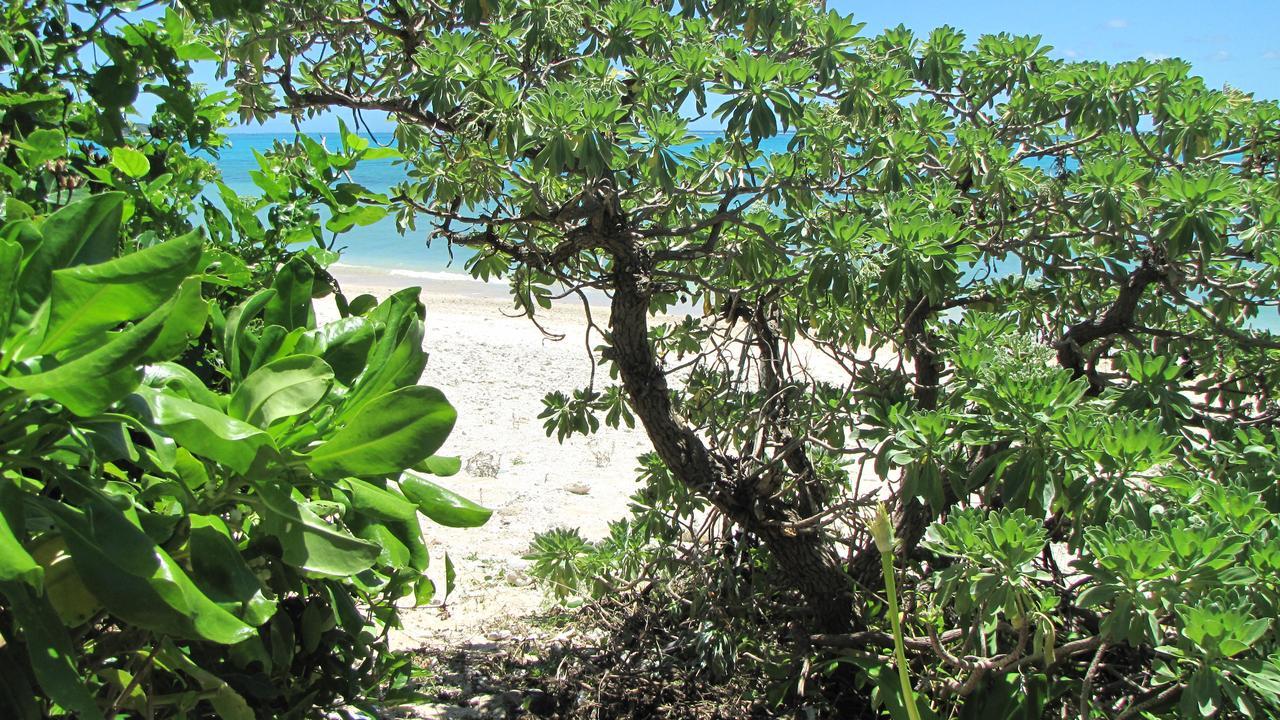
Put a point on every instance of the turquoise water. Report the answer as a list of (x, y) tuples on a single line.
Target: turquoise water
[(383, 247), (379, 245)]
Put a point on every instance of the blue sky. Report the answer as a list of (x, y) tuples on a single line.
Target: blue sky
[(1226, 41)]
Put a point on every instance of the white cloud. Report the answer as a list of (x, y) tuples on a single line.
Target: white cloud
[(1070, 54), (1117, 23), (1271, 55), (1221, 55), (1156, 56)]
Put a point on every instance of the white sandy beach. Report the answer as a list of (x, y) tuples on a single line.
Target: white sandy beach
[(495, 369)]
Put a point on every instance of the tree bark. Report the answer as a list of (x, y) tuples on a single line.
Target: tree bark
[(809, 563), (1117, 318)]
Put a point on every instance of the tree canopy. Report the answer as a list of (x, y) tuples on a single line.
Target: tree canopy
[(1050, 288)]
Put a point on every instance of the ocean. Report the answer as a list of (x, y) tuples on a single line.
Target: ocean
[(380, 245)]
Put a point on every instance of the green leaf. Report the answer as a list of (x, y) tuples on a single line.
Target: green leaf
[(450, 576), (17, 686), (443, 506), (10, 259), (135, 579), (396, 359), (132, 163), (43, 145), (90, 299), (409, 532), (186, 322), (281, 388), (195, 51), (389, 434), (344, 344), (202, 430), (378, 502), (362, 216), (53, 659), (84, 231), (218, 567), (440, 466), (237, 345), (290, 307), (16, 564), (115, 86), (307, 541), (179, 381), (90, 383)]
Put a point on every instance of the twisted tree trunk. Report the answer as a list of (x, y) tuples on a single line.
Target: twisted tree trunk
[(809, 563)]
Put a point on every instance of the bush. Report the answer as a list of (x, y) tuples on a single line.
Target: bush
[(205, 507), (175, 544)]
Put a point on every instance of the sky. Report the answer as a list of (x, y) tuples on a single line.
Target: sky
[(1226, 41)]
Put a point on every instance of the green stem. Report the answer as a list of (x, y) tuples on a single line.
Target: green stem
[(899, 649)]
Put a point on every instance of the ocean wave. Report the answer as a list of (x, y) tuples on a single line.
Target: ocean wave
[(446, 275)]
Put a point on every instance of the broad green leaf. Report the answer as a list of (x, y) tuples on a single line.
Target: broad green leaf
[(195, 51), (53, 658), (440, 465), (443, 506), (409, 532), (391, 551), (378, 502), (450, 576), (396, 359), (389, 434), (344, 344), (18, 689), (10, 264), (16, 564), (180, 381), (84, 231), (362, 216), (307, 541), (43, 145), (290, 307), (218, 567), (90, 299), (137, 580), (200, 429), (131, 162), (90, 383), (237, 347), (186, 322), (281, 388)]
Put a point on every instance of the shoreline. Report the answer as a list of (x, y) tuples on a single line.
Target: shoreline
[(355, 279)]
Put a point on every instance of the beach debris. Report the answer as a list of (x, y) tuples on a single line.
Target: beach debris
[(578, 488), (484, 464)]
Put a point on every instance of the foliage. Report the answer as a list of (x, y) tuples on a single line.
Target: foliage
[(1044, 290), (204, 499), (244, 548)]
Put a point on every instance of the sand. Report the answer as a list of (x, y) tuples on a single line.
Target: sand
[(495, 369)]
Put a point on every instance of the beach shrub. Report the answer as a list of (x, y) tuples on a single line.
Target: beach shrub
[(206, 504), (165, 544), (1029, 304)]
